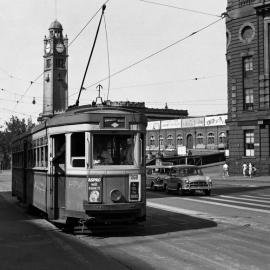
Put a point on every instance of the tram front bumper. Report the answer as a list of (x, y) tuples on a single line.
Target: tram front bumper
[(119, 207)]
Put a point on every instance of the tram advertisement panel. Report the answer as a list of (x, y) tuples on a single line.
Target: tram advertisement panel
[(94, 189), (134, 187)]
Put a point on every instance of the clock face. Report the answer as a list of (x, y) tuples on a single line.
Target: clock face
[(48, 47), (60, 47)]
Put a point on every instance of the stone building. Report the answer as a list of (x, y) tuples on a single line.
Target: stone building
[(55, 76), (248, 121)]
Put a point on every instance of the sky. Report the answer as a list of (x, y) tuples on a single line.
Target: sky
[(190, 74)]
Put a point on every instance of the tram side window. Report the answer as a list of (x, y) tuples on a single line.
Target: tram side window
[(78, 149), (111, 149)]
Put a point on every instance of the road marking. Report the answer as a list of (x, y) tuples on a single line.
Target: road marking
[(255, 197), (173, 209), (229, 205), (238, 201), (246, 199)]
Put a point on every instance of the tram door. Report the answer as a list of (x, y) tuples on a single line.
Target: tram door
[(189, 141), (57, 175)]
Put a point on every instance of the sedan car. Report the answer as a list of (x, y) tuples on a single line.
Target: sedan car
[(188, 179), (155, 176)]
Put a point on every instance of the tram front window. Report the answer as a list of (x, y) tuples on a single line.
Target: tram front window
[(111, 149)]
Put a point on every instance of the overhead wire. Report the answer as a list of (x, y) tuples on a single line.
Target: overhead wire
[(168, 82), (31, 82), (155, 53), (95, 14), (180, 8)]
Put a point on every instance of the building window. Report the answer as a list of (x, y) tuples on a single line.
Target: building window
[(199, 138), (152, 141), (222, 138), (246, 32), (48, 63), (248, 99), (179, 139), (211, 138), (249, 143), (170, 140), (248, 65)]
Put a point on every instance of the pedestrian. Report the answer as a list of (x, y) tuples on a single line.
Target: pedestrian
[(250, 169), (244, 166), (254, 170), (225, 170)]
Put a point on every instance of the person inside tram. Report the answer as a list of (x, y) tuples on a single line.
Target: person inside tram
[(59, 158), (102, 154), (127, 154)]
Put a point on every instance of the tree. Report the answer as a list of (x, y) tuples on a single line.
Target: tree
[(14, 127)]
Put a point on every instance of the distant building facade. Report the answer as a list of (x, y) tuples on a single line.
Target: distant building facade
[(178, 136), (248, 51)]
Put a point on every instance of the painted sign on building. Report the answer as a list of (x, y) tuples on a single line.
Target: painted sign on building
[(193, 122), (153, 125), (170, 124), (216, 120)]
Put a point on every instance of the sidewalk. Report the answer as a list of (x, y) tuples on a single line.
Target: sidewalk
[(241, 178), (29, 242)]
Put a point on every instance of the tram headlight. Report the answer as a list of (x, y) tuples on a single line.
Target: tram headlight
[(116, 195), (94, 196)]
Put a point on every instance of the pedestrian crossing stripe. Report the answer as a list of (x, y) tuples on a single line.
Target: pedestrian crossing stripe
[(248, 198), (255, 197), (227, 199), (229, 205)]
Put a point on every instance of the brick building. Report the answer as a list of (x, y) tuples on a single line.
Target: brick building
[(198, 134), (248, 25)]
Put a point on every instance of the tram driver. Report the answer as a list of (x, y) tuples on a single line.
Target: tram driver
[(102, 154), (59, 158)]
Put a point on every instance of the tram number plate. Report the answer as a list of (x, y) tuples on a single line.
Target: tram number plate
[(134, 191)]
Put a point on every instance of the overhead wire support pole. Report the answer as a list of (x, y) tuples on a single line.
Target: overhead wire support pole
[(89, 59)]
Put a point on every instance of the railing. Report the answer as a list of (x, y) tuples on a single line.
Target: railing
[(234, 4), (242, 3)]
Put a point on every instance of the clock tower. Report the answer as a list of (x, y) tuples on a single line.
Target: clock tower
[(55, 76)]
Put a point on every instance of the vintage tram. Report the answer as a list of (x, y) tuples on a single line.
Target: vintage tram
[(86, 164)]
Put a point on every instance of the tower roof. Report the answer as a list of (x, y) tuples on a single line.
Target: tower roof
[(56, 25)]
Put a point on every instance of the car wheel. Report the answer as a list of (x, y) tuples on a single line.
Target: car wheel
[(180, 191), (207, 192), (167, 189)]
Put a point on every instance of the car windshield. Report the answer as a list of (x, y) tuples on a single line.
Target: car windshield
[(187, 171), (161, 170)]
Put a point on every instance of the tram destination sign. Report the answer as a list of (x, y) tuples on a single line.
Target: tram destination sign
[(114, 122)]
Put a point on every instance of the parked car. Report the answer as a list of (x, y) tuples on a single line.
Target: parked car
[(155, 176), (187, 179)]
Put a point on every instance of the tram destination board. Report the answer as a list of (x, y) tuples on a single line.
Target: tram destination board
[(115, 122)]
